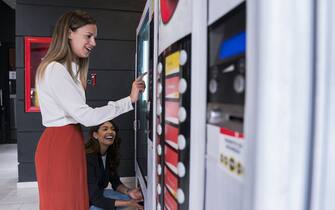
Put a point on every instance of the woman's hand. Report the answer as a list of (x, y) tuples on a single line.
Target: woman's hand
[(129, 203), (134, 203), (137, 87), (135, 194)]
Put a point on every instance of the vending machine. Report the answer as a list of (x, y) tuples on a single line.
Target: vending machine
[(259, 105), (226, 90), (232, 103), (173, 84), (143, 124)]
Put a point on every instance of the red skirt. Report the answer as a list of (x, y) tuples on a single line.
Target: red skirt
[(60, 162)]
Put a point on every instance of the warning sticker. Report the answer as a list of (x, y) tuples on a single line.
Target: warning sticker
[(232, 153)]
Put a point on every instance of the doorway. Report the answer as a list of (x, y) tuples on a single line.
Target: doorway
[(7, 75), (7, 93)]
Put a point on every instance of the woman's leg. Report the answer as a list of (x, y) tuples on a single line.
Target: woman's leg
[(109, 193), (95, 208)]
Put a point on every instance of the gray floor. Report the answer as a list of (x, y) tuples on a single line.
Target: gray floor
[(12, 197)]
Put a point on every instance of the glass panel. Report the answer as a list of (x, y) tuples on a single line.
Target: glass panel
[(38, 51), (142, 113)]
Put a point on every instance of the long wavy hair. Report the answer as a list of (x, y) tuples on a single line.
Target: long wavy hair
[(60, 49), (93, 146)]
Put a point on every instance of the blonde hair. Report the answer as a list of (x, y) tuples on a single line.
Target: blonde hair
[(60, 49)]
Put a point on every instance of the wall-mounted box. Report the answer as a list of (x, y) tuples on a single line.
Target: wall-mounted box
[(35, 49)]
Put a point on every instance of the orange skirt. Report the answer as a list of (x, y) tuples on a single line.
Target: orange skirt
[(60, 162)]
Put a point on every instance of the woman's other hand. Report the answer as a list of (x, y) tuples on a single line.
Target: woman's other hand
[(135, 203), (135, 194)]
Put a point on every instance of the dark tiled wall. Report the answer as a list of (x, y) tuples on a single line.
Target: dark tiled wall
[(112, 60), (7, 16)]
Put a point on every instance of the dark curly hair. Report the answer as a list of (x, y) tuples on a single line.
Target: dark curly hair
[(93, 146)]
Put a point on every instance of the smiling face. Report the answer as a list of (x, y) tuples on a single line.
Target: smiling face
[(82, 40), (105, 134)]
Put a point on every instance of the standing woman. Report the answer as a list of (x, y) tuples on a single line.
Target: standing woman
[(61, 82)]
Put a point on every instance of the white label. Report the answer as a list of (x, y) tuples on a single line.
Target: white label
[(231, 153), (12, 74)]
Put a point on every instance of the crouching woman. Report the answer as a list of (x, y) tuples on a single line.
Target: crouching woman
[(102, 155)]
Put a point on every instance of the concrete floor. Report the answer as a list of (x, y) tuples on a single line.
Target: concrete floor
[(12, 197)]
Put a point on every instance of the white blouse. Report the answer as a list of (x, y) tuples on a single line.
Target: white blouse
[(62, 100)]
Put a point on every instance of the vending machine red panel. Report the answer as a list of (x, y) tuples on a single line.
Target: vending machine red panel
[(171, 135), (174, 85), (171, 158), (171, 181), (169, 202), (171, 87), (171, 111)]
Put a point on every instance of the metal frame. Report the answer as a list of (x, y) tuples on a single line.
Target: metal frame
[(279, 103), (218, 8), (140, 179), (323, 173), (144, 14), (198, 105), (139, 176), (152, 190)]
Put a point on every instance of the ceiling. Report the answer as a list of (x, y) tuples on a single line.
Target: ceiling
[(11, 3)]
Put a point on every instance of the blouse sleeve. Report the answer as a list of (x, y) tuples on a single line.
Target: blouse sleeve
[(114, 179), (68, 96)]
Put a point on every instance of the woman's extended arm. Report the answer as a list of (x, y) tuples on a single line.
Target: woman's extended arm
[(72, 99)]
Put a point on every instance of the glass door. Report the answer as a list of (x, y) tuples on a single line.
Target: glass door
[(143, 104)]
